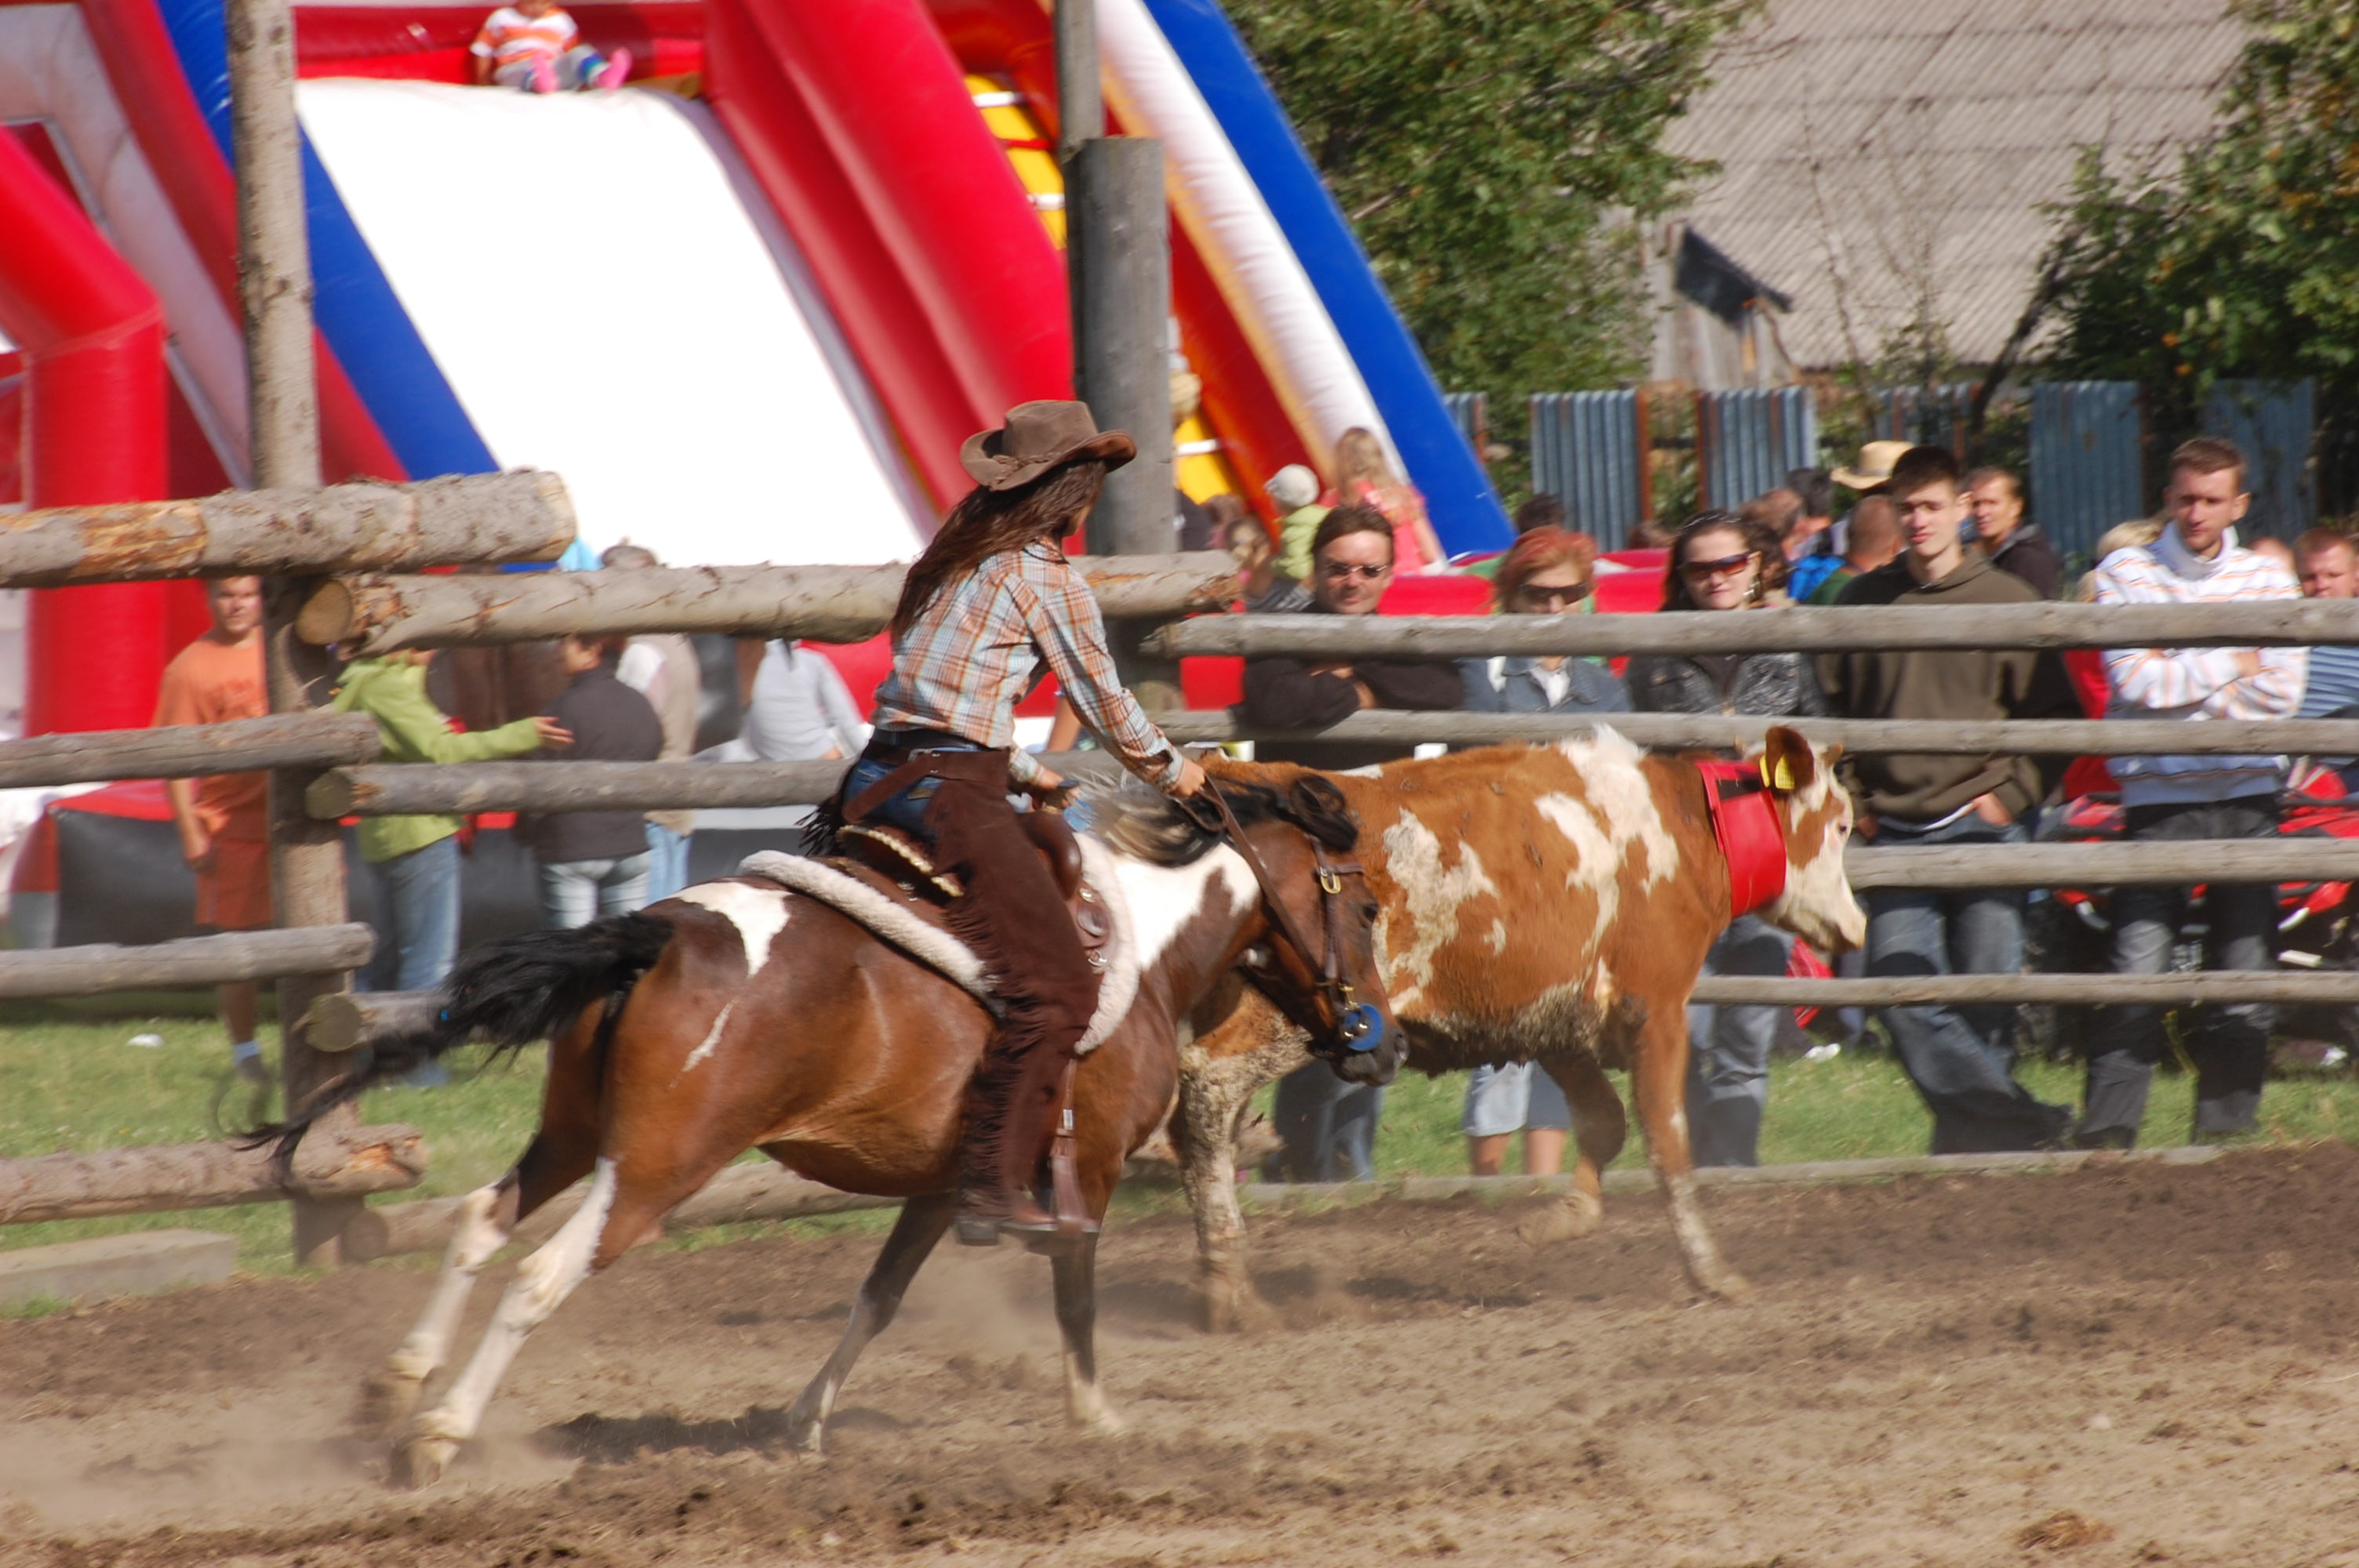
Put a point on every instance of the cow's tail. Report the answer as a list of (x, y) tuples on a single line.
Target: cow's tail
[(509, 993)]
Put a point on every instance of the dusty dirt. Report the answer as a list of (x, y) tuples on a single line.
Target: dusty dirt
[(2129, 1366)]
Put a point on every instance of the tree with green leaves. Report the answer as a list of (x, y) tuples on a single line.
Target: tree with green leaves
[(1492, 156), (2244, 259)]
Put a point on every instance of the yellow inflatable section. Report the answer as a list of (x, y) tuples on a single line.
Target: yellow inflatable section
[(1201, 470)]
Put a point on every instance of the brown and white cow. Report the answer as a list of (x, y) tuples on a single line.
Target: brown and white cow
[(1551, 904)]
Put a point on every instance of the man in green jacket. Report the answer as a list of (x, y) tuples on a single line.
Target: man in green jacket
[(415, 860), (1961, 1059)]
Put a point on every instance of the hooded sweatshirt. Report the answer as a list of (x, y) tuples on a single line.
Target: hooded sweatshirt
[(2193, 685), (1961, 684)]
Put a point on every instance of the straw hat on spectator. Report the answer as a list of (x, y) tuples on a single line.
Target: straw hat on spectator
[(1875, 461)]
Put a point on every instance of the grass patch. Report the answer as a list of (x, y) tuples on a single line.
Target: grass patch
[(79, 1085)]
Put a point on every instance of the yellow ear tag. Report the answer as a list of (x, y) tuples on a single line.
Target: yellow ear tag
[(1778, 776)]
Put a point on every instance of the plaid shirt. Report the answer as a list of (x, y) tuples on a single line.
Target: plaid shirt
[(970, 655)]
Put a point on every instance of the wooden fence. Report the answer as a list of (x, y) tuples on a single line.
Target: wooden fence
[(412, 526)]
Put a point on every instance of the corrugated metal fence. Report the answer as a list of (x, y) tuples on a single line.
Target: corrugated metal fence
[(2272, 424), (2085, 461), (1923, 416), (1589, 451), (1746, 441), (1471, 412)]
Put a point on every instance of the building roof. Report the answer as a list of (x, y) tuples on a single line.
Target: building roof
[(1882, 163)]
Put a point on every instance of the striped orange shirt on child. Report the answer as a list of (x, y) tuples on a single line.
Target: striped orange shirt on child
[(509, 36)]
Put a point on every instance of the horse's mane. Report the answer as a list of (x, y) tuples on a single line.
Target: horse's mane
[(1145, 825)]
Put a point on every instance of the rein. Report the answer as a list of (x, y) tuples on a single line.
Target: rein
[(1744, 825), (1358, 1026)]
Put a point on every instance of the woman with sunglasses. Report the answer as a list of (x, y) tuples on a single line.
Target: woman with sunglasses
[(1721, 561), (1546, 572)]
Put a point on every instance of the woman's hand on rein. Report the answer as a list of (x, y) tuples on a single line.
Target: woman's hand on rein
[(1190, 779)]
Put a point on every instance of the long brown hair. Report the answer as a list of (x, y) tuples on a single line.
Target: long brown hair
[(993, 522), (1760, 539)]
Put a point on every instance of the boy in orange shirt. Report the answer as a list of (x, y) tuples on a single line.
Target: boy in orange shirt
[(224, 818), (534, 46)]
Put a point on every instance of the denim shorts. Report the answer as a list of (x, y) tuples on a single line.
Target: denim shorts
[(1509, 1098)]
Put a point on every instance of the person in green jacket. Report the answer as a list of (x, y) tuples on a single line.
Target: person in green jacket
[(415, 860)]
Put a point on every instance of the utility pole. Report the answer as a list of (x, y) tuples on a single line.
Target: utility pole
[(1118, 256), (307, 858)]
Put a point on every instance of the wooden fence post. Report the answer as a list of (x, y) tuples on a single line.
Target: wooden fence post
[(306, 857), (1116, 232)]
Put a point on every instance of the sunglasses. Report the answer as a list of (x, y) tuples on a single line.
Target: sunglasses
[(1696, 571), (1534, 594), (1338, 570)]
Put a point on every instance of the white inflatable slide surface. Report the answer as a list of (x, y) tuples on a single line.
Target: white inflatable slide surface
[(606, 306)]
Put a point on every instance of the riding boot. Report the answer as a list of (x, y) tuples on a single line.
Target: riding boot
[(998, 1163)]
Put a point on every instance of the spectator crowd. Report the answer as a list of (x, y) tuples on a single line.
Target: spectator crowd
[(1906, 527)]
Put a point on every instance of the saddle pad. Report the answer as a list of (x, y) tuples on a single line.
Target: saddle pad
[(899, 926)]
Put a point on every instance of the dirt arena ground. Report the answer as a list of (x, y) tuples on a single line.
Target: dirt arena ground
[(2136, 1365)]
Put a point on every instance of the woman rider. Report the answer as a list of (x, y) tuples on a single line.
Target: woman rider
[(988, 601)]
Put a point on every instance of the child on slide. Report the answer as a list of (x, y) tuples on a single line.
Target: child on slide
[(534, 46)]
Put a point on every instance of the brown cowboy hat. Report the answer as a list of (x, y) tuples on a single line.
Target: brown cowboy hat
[(1037, 437)]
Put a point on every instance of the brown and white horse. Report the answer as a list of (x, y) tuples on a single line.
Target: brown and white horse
[(743, 1015), (1540, 903)]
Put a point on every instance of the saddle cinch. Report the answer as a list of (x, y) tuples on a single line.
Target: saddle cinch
[(895, 864)]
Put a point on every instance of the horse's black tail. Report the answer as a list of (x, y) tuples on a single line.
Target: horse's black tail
[(510, 993)]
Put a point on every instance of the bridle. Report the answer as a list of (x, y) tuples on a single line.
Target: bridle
[(1359, 1027)]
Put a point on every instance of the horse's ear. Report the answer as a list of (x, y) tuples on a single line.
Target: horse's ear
[(1787, 764), (1321, 809)]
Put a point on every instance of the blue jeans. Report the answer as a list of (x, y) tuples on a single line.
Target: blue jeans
[(575, 892), (418, 899), (906, 810), (2229, 1045), (667, 862), (1329, 1126), (1728, 1049), (1961, 1059)]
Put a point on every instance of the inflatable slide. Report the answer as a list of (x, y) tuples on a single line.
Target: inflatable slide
[(748, 306)]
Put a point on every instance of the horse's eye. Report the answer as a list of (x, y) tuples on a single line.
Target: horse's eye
[(1254, 957)]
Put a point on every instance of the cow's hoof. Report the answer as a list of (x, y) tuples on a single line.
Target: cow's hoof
[(1724, 1282), (388, 1401), (421, 1461), (1574, 1219), (1236, 1312)]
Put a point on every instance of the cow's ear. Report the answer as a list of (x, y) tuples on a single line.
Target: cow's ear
[(1787, 764)]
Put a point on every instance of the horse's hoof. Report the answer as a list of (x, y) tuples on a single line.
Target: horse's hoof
[(388, 1401), (1101, 1422), (1574, 1219), (421, 1461), (805, 1436)]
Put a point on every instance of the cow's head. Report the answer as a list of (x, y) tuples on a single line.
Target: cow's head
[(1817, 904)]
